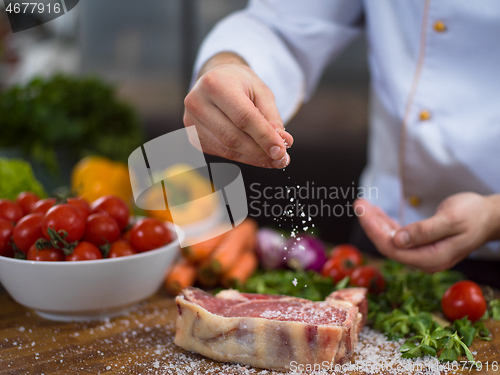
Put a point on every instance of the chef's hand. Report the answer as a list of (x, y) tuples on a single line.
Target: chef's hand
[(235, 114), (462, 223)]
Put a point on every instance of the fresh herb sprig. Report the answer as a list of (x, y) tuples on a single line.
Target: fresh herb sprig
[(303, 284), (425, 290), (429, 338), (494, 309), (403, 310)]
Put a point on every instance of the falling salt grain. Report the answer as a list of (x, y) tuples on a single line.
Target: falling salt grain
[(108, 367), (294, 282)]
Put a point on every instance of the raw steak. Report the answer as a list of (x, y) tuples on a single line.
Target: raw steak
[(356, 296), (270, 331)]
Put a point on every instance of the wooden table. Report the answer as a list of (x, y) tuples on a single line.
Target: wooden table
[(140, 342)]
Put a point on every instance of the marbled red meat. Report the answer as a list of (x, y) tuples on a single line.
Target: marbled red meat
[(270, 331)]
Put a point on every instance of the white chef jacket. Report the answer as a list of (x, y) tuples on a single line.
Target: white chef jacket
[(435, 86)]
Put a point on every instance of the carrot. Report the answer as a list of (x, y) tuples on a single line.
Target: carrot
[(241, 271), (206, 276), (200, 251), (182, 275), (235, 242)]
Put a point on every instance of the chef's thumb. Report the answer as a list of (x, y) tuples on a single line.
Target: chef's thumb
[(423, 232)]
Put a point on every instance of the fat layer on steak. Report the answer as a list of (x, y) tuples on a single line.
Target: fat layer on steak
[(269, 331)]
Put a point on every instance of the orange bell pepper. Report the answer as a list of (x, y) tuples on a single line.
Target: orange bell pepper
[(96, 176)]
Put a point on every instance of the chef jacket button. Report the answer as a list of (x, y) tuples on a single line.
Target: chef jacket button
[(414, 201), (439, 26), (424, 115)]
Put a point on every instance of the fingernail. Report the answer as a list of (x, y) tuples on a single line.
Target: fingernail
[(402, 239), (274, 152), (281, 163)]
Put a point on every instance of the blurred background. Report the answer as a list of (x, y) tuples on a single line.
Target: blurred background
[(146, 50)]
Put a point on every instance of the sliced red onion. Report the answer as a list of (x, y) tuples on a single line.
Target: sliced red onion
[(306, 253), (271, 249)]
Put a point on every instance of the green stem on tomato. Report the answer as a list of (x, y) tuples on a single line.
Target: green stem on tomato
[(58, 241)]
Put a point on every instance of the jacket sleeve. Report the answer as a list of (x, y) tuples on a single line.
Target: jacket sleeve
[(287, 43)]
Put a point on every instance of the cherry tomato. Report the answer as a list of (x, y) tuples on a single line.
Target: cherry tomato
[(463, 298), (337, 269), (6, 229), (126, 235), (101, 229), (64, 217), (343, 261), (121, 248), (43, 205), (81, 204), (368, 277), (27, 231), (148, 234), (26, 200), (348, 252), (85, 251), (115, 207), (10, 211), (46, 255)]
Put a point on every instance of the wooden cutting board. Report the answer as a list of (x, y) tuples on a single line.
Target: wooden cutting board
[(140, 342)]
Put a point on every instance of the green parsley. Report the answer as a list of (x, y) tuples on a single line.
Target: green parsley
[(304, 284), (404, 310)]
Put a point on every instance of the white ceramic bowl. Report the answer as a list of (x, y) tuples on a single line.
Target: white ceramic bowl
[(87, 290)]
